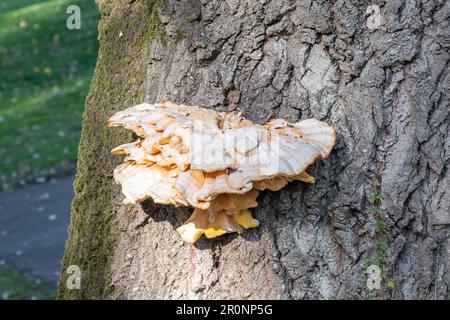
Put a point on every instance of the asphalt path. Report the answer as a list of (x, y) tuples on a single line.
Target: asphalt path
[(33, 227)]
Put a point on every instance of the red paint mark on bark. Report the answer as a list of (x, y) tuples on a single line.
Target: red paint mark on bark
[(192, 271), (266, 277), (192, 260)]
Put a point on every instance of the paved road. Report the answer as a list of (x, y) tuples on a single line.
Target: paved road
[(33, 227)]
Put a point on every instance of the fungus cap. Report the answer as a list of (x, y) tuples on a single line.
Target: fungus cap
[(215, 162)]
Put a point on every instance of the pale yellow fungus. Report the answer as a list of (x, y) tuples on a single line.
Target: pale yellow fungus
[(215, 162)]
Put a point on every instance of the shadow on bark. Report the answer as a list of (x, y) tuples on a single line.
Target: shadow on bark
[(177, 216)]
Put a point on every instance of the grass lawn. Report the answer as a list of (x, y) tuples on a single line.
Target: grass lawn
[(14, 286), (45, 71)]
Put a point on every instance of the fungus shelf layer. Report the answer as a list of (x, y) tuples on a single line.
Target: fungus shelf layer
[(214, 162)]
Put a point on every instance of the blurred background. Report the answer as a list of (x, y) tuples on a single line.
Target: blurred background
[(45, 70)]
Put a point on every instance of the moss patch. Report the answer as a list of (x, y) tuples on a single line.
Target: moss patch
[(125, 32), (179, 35)]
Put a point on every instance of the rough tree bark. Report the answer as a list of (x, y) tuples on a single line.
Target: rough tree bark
[(386, 92)]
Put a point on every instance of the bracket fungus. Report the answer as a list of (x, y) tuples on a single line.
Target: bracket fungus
[(215, 162)]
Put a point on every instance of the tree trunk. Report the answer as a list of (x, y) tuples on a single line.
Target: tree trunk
[(382, 198)]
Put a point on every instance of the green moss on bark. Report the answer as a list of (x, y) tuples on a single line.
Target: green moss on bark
[(125, 32)]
